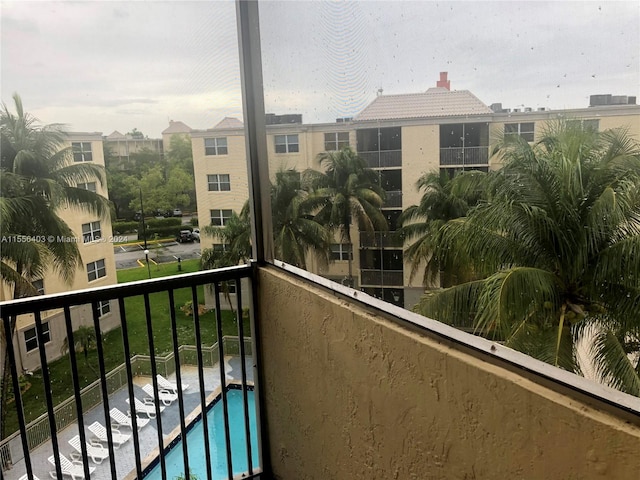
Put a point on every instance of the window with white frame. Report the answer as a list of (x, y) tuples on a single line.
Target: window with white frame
[(81, 151), (31, 336), (219, 183), (39, 286), (91, 232), (525, 130), (287, 143), (104, 307), (340, 251), (335, 141), (96, 270), (219, 217), (215, 146), (91, 186)]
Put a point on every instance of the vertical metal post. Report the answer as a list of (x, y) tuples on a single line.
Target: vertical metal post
[(243, 370), (255, 129), (247, 14)]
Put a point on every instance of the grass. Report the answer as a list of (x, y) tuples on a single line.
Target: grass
[(112, 344)]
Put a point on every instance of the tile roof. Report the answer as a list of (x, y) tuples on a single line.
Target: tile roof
[(229, 122), (177, 127), (116, 135), (435, 102)]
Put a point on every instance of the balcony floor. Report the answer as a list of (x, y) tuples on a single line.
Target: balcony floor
[(148, 437)]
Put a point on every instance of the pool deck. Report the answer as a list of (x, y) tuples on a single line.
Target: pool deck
[(147, 436)]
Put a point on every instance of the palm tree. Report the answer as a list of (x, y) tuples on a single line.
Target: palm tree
[(443, 199), (296, 231), (84, 338), (38, 181), (351, 190), (557, 246)]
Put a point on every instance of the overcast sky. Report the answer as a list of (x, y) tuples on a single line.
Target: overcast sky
[(105, 66)]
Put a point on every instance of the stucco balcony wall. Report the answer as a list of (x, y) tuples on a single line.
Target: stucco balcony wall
[(351, 394)]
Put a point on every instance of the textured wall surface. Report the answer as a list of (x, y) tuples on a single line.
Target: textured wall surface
[(351, 395)]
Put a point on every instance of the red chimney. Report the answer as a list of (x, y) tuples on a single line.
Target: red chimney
[(443, 82)]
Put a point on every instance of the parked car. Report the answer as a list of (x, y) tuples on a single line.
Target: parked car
[(196, 234), (177, 212), (184, 236)]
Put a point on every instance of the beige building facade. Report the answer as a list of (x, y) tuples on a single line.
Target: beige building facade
[(402, 137), (94, 238)]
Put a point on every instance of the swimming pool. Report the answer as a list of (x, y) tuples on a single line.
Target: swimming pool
[(195, 442)]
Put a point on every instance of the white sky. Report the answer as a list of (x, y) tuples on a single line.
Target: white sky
[(105, 66)]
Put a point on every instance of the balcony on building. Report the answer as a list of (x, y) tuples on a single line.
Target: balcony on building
[(346, 385), (380, 147), (464, 145)]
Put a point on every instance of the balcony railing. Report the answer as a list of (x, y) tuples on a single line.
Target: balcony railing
[(380, 240), (393, 199), (464, 156), (17, 451), (386, 278), (383, 158)]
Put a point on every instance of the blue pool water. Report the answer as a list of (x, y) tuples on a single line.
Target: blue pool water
[(195, 442)]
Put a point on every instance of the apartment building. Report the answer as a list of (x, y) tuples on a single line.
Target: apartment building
[(402, 137), (93, 237)]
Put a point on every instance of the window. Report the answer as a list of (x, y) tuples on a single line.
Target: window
[(39, 286), (340, 251), (91, 232), (219, 183), (525, 130), (220, 217), (91, 186), (81, 151), (287, 143), (590, 124), (336, 141), (96, 270), (104, 307), (215, 146), (220, 247), (31, 336)]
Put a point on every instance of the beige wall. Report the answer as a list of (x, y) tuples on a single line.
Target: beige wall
[(352, 395)]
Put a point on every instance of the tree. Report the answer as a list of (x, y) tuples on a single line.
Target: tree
[(84, 339), (557, 248), (296, 231), (235, 246), (38, 182), (443, 199), (351, 190)]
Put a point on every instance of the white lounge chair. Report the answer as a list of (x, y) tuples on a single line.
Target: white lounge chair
[(165, 396), (101, 434), (124, 420), (69, 468), (26, 477), (165, 384), (149, 409), (95, 450)]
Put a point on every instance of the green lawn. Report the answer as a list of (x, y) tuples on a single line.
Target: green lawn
[(88, 369)]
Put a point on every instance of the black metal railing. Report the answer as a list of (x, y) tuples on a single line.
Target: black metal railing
[(380, 240), (464, 156), (382, 277), (158, 297), (393, 199), (382, 158)]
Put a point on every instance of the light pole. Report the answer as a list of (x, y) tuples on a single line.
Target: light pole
[(146, 255), (144, 235)]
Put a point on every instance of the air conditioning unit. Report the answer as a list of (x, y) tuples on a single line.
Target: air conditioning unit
[(516, 110), (528, 109)]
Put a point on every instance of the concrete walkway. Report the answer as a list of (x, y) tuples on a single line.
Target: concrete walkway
[(148, 436)]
